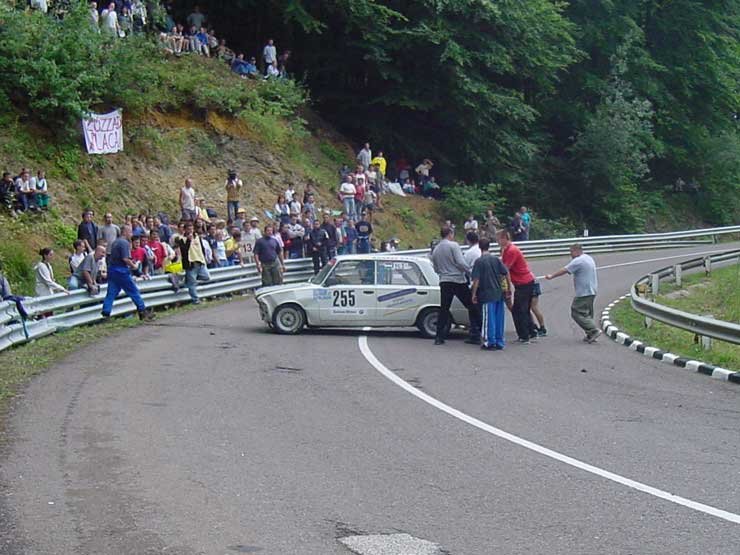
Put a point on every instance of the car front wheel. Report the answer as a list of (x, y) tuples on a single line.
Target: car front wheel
[(289, 319), (427, 322)]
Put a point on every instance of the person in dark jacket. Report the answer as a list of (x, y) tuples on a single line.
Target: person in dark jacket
[(87, 231), (317, 246), (331, 232)]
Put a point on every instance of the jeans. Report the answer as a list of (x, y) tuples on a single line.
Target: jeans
[(492, 325), (119, 278), (18, 305), (28, 200), (188, 214), (197, 272), (319, 260), (232, 207), (271, 273), (73, 283), (350, 247), (349, 208), (521, 311), (363, 245), (448, 291), (582, 312)]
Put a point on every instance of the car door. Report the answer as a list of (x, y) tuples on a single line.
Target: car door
[(401, 290), (349, 297)]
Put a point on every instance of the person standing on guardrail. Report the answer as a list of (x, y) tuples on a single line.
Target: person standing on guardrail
[(523, 279), (119, 276), (583, 269)]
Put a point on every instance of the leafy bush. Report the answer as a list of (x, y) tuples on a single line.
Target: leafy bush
[(17, 267), (461, 200)]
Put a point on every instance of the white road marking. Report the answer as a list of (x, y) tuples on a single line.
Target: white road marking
[(390, 544), (650, 490)]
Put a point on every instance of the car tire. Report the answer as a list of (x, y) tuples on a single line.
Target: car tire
[(288, 319), (427, 322)]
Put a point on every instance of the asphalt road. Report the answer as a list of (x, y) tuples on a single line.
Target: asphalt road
[(205, 433)]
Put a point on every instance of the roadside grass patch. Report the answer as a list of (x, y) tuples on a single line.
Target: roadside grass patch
[(718, 294)]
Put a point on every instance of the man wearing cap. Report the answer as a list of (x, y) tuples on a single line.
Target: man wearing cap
[(233, 191), (249, 239)]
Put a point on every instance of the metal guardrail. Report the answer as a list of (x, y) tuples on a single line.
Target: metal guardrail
[(700, 325), (78, 308)]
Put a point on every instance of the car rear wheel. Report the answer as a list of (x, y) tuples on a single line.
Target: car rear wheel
[(427, 322), (289, 319)]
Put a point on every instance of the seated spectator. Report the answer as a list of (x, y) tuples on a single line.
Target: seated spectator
[(213, 42), (150, 256), (408, 187), (241, 67), (283, 63), (272, 71), (7, 190), (41, 189), (77, 256), (177, 39), (202, 37), (25, 191), (431, 188), (6, 294), (86, 274), (224, 53), (45, 284)]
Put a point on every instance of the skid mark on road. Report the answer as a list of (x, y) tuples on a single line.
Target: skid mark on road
[(650, 490)]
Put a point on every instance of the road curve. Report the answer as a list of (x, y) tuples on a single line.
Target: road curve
[(204, 433)]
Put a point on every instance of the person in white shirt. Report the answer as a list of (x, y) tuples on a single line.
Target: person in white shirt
[(347, 193), (295, 207), (187, 201), (289, 193), (471, 224), (109, 20), (473, 253), (45, 284), (272, 71), (25, 191), (269, 54)]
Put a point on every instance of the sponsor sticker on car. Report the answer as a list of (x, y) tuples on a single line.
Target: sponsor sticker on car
[(396, 294)]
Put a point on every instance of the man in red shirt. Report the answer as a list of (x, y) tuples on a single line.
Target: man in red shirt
[(158, 249), (523, 280)]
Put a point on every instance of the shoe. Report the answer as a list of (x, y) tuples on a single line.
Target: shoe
[(522, 341), (105, 315), (146, 315), (439, 341), (490, 348), (196, 301), (472, 341), (594, 337), (542, 332)]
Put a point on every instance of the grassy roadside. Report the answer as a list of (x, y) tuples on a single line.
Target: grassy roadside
[(718, 295), (19, 364)]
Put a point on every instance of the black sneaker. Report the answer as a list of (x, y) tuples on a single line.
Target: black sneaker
[(146, 315), (542, 332), (439, 341), (523, 341)]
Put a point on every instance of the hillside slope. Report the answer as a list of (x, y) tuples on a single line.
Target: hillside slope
[(162, 149)]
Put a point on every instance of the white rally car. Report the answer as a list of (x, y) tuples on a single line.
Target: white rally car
[(360, 290)]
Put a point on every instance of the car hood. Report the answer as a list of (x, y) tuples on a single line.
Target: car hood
[(284, 288)]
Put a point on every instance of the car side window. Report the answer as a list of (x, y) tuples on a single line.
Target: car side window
[(354, 272), (401, 273)]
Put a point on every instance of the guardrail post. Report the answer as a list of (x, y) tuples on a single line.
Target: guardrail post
[(677, 269), (703, 340), (654, 284), (648, 322), (708, 265)]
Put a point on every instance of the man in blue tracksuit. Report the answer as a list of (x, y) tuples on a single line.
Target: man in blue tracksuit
[(119, 276), (490, 286)]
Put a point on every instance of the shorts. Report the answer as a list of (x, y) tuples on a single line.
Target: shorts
[(536, 289)]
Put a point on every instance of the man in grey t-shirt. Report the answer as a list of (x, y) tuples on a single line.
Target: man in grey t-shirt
[(86, 272), (109, 231), (583, 269)]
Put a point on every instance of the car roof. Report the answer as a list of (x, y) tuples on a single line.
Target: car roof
[(381, 256)]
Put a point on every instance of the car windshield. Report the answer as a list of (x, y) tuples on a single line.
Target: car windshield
[(319, 278)]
